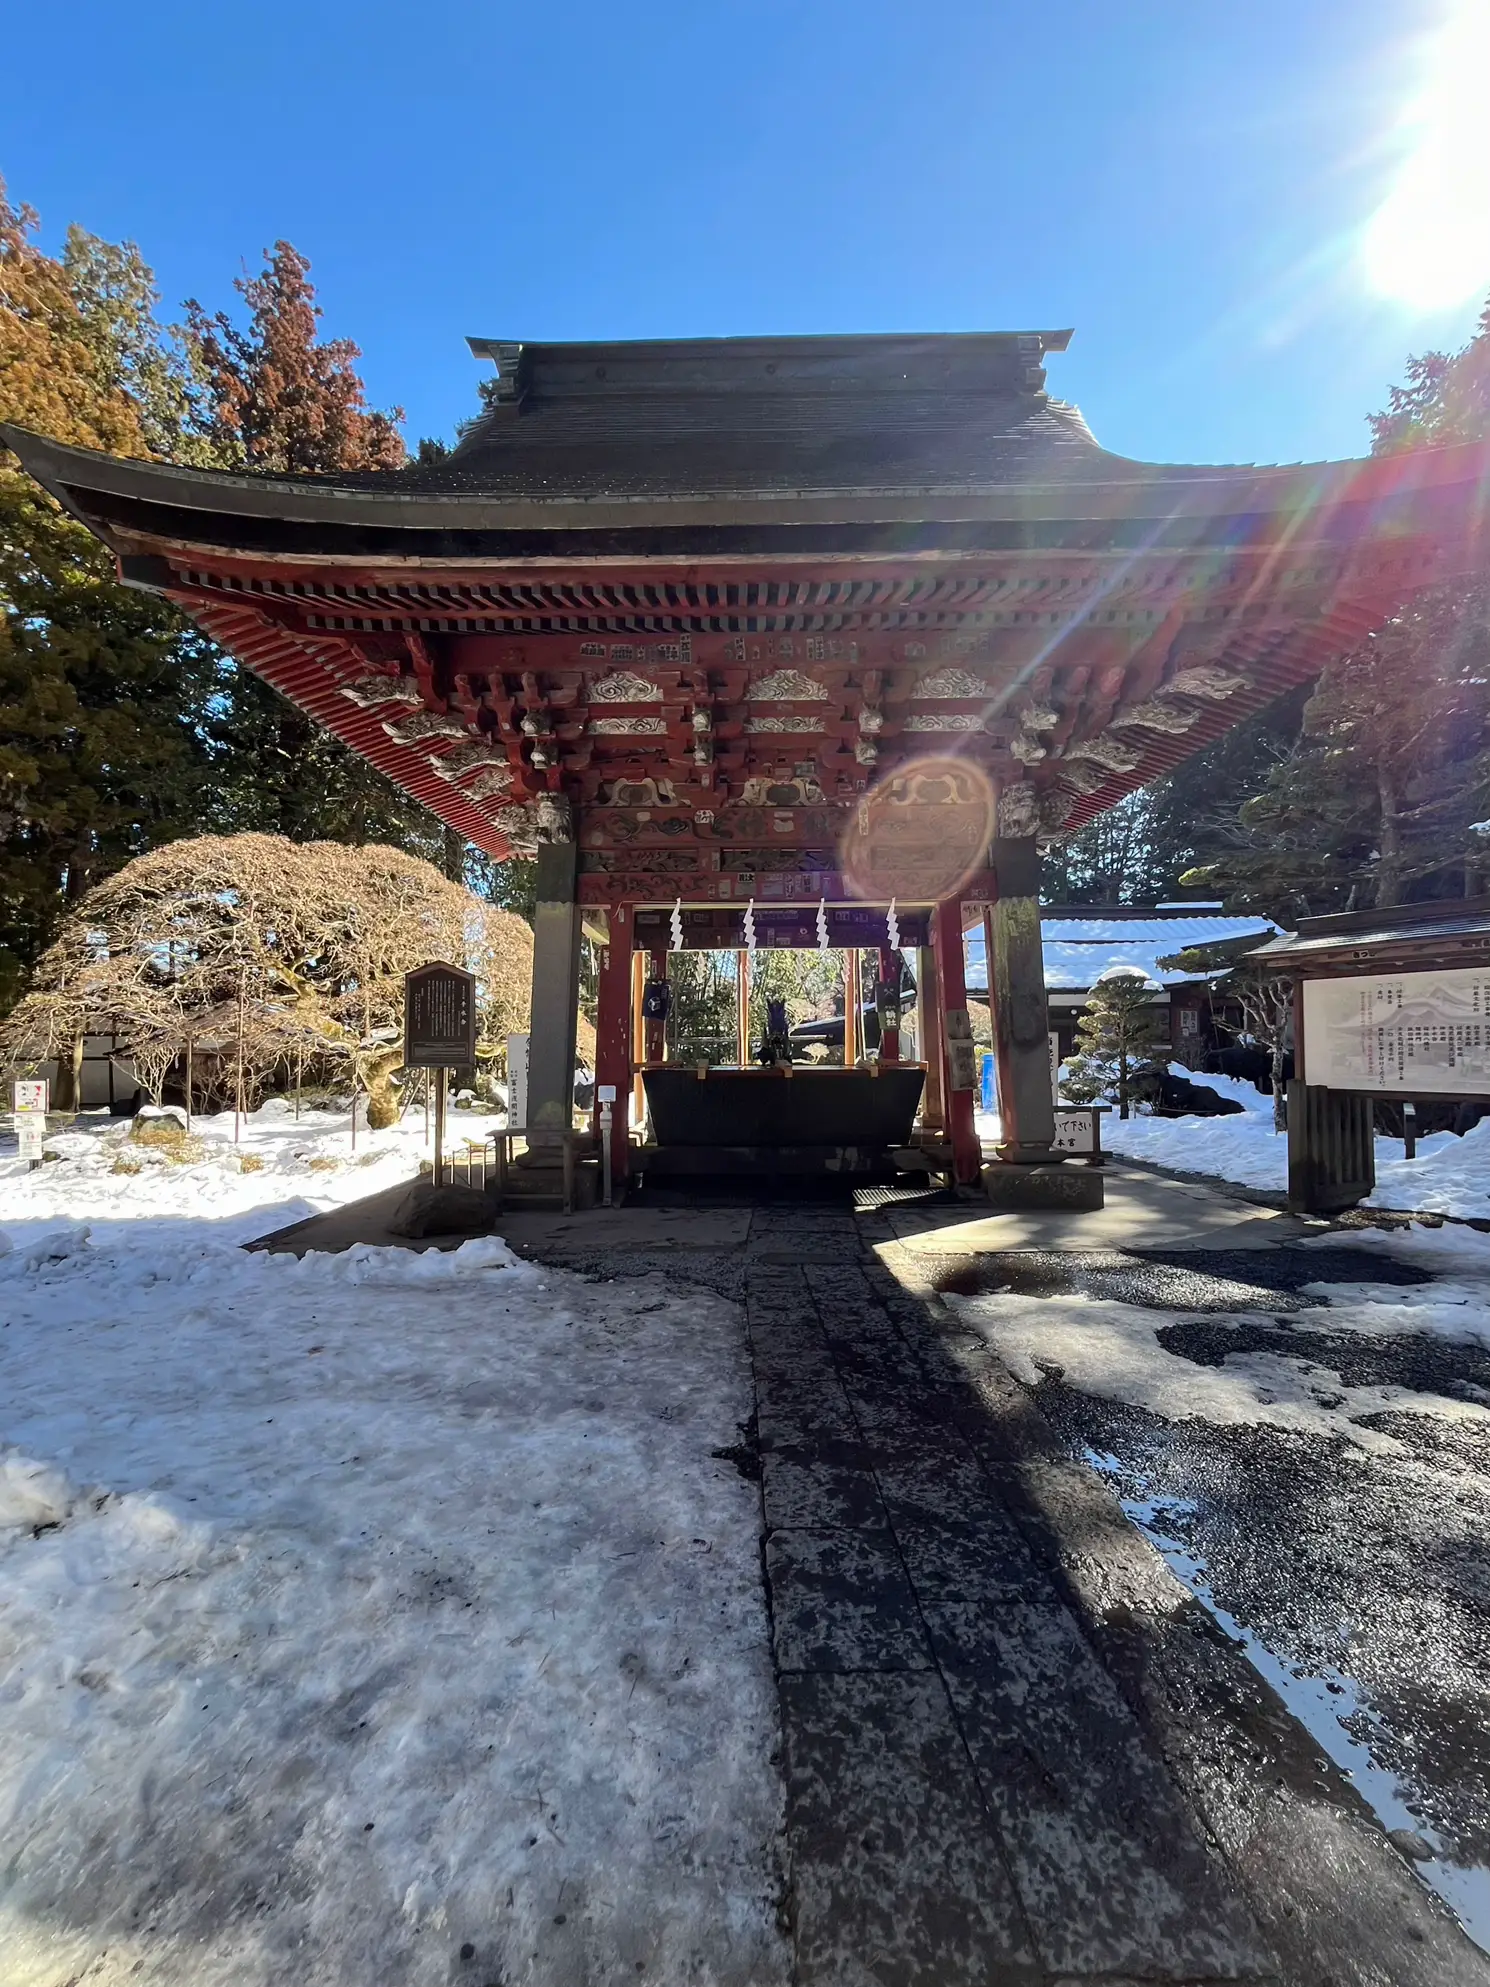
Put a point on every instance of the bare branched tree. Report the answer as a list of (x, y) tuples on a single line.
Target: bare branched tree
[(263, 955)]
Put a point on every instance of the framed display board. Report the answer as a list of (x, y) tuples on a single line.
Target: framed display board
[(1400, 1034), (439, 1018)]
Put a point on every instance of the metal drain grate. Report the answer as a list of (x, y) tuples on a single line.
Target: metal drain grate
[(869, 1200)]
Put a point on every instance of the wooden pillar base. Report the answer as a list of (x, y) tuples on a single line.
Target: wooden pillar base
[(1331, 1149)]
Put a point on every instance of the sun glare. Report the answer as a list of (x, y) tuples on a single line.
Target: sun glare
[(1428, 244)]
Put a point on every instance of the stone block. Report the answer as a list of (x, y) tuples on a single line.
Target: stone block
[(430, 1210), (1069, 1189)]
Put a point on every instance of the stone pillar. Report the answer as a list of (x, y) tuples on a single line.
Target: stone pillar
[(613, 1036), (958, 1066), (555, 1004), (1016, 997), (929, 1038)]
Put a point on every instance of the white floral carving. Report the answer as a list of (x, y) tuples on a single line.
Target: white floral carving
[(369, 691), (476, 757), (943, 721), (1207, 679), (787, 686), (1157, 714), (949, 683), (621, 687), (1084, 778), (784, 724), (490, 780), (1113, 753), (516, 823), (424, 725), (1017, 810), (1039, 717), (627, 728)]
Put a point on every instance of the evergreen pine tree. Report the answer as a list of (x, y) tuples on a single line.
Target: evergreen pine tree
[(1119, 1048), (1380, 800)]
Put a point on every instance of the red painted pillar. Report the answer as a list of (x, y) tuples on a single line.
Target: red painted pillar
[(638, 1037), (613, 1036), (889, 1037), (967, 1154)]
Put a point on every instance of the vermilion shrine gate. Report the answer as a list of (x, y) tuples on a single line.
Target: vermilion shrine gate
[(784, 623)]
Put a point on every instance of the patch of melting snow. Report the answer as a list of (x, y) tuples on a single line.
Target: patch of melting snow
[(1321, 1702)]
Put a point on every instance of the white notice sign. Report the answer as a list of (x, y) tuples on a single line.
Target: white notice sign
[(29, 1093), (1405, 1034), (1075, 1129), (517, 1081), (32, 1128)]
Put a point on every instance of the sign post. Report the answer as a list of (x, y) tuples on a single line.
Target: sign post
[(28, 1100), (439, 1033)]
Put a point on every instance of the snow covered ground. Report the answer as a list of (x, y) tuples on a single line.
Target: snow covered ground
[(276, 1171), (374, 1618), (1448, 1176)]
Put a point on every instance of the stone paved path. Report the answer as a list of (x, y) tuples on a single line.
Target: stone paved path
[(969, 1798)]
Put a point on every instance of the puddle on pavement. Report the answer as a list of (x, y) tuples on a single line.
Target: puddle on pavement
[(1320, 1701)]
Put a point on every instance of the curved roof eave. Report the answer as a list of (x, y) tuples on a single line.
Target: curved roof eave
[(1135, 490)]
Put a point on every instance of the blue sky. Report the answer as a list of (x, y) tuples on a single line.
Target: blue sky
[(1185, 182)]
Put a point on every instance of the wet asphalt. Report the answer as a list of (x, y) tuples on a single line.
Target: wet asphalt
[(1367, 1571)]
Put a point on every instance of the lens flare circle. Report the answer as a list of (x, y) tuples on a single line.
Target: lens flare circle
[(920, 833)]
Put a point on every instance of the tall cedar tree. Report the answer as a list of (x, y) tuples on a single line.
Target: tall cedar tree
[(124, 728), (269, 395), (1380, 800), (104, 690)]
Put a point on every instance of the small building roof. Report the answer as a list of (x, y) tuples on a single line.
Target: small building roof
[(1412, 935)]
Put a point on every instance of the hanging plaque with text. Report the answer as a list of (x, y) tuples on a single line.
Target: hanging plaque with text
[(439, 1018)]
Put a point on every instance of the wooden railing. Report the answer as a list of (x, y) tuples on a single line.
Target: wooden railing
[(486, 1163)]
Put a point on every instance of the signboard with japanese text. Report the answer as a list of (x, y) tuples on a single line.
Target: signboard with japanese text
[(29, 1093), (439, 1018), (517, 1079), (1076, 1130), (31, 1130), (1400, 1034)]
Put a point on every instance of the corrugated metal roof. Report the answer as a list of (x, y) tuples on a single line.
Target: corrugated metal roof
[(1078, 950)]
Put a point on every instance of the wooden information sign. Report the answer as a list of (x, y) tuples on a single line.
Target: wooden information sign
[(439, 1018)]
